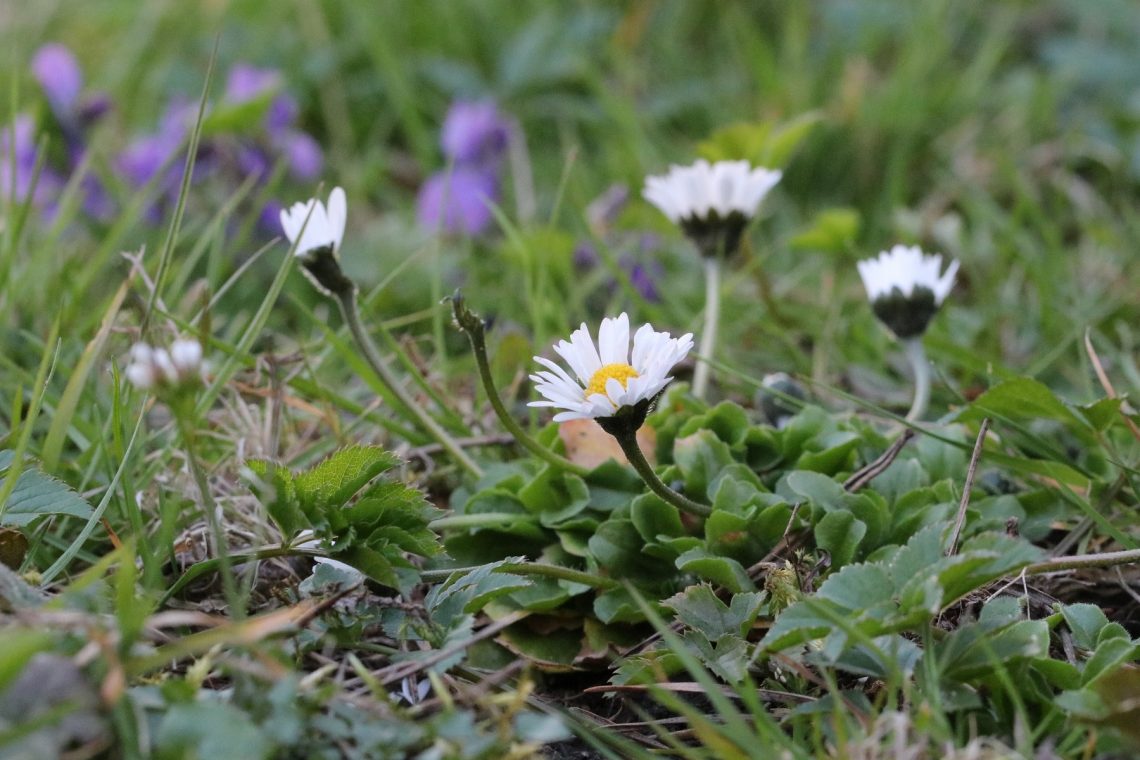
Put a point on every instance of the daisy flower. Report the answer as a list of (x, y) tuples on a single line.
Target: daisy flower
[(324, 227), (317, 232), (703, 190), (906, 287), (610, 379)]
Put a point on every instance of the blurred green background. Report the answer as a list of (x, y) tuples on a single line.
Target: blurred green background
[(1001, 133)]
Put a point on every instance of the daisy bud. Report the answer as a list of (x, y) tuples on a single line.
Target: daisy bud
[(613, 386), (158, 369), (906, 288), (317, 232), (712, 203)]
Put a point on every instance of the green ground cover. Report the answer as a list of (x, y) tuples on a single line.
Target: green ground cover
[(851, 583)]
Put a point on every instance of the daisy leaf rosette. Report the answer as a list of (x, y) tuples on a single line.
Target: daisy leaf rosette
[(316, 232), (906, 287), (609, 382), (712, 203)]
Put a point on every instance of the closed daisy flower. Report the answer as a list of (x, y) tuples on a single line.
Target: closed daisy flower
[(712, 203), (906, 287), (608, 380)]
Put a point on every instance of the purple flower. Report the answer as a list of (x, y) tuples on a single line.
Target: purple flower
[(146, 155), (302, 152), (246, 83), (58, 73), (474, 132), (644, 282), (458, 201), (18, 158)]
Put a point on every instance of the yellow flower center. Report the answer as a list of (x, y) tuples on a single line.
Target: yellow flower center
[(620, 372)]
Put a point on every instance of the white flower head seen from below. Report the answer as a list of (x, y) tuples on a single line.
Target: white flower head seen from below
[(712, 203), (316, 231), (906, 287), (608, 380)]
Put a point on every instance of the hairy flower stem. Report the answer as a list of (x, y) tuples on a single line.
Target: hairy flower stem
[(627, 439), (1084, 561), (712, 319), (351, 311), (916, 355), (472, 327), (219, 547)]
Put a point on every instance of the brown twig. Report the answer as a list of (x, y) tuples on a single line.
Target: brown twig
[(968, 487), (871, 471)]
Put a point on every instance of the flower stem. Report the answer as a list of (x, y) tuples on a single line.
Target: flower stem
[(350, 309), (1084, 562), (472, 327), (627, 439), (712, 318), (540, 569), (219, 547), (916, 354)]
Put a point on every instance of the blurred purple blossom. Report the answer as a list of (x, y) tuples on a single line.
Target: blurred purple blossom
[(18, 158), (302, 153), (145, 155), (58, 73), (474, 132), (246, 82), (458, 201)]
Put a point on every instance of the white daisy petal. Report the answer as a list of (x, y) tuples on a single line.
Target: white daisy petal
[(602, 370), (696, 191), (310, 225), (906, 268)]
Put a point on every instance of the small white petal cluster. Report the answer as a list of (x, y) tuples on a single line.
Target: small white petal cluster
[(696, 191), (324, 226), (618, 379), (907, 268), (153, 367)]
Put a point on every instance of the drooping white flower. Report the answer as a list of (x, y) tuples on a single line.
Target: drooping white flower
[(324, 227), (907, 268), (609, 377), (142, 372), (906, 287), (695, 193)]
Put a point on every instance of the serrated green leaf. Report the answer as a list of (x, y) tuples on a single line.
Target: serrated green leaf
[(38, 495), (699, 608), (468, 592), (338, 478)]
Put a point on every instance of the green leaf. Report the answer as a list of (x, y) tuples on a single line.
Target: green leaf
[(1109, 656), (38, 495), (273, 485), (974, 650), (1085, 621), (618, 547), (699, 608), (700, 457), (832, 230), (210, 729), (839, 533), (1024, 399), (653, 517), (468, 592), (338, 478), (617, 606), (723, 571)]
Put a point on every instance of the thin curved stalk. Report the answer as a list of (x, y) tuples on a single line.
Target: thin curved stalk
[(628, 442), (472, 327), (712, 321), (350, 309)]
